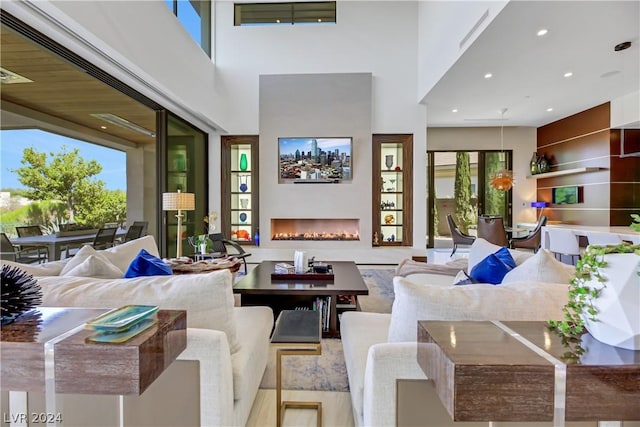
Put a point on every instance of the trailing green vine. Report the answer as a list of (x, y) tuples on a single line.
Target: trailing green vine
[(581, 294), (636, 222)]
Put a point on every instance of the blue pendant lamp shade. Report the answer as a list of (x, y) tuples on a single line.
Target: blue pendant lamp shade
[(539, 205)]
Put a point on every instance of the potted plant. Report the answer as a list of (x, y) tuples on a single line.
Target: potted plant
[(203, 243), (604, 297)]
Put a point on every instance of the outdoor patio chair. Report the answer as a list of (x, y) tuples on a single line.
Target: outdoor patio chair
[(29, 231), (144, 224), (10, 252), (105, 238), (133, 232), (458, 237)]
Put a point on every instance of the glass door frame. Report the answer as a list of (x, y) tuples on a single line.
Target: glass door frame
[(483, 181)]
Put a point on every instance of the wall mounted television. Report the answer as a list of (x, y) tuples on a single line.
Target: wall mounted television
[(315, 160), (566, 195)]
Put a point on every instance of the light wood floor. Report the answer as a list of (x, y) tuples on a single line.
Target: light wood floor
[(336, 409)]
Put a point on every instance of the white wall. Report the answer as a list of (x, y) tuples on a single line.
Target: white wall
[(442, 27), (373, 37), (316, 105), (522, 140)]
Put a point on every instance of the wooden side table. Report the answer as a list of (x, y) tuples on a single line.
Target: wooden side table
[(45, 351), (297, 333), (521, 371)]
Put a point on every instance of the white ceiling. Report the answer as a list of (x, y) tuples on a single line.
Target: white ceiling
[(528, 70)]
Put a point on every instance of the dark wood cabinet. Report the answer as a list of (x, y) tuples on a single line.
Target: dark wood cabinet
[(392, 190), (240, 188)]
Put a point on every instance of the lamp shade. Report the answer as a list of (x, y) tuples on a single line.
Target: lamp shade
[(178, 201), (539, 204)]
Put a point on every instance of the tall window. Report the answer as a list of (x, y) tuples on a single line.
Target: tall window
[(321, 12), (195, 16)]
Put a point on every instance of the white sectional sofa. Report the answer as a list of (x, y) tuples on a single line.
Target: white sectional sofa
[(380, 349), (231, 344)]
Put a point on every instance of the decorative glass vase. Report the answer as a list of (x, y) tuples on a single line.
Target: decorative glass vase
[(533, 164), (244, 164), (388, 161), (618, 317), (243, 183)]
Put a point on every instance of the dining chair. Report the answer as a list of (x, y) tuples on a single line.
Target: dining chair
[(531, 240), (30, 231), (10, 252), (104, 238), (133, 232), (458, 237), (565, 242), (144, 224), (603, 239), (491, 228), (222, 245)]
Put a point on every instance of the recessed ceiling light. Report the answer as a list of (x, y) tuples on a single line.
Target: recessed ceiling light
[(542, 32), (549, 109), (488, 76), (319, 19), (103, 127), (568, 74), (455, 110), (277, 21)]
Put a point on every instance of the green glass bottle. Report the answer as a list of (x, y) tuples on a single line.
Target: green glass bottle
[(244, 164)]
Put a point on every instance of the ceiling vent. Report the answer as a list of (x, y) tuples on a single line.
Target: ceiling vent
[(119, 121)]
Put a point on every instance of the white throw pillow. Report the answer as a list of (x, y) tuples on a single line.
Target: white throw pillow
[(542, 267), (95, 266), (47, 269), (207, 298), (481, 248), (83, 253), (122, 255), (513, 301)]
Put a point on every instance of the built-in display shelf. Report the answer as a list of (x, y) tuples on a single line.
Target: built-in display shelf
[(562, 173)]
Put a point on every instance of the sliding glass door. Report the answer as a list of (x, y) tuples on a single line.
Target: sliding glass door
[(459, 184)]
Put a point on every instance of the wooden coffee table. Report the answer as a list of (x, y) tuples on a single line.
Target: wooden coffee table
[(257, 288)]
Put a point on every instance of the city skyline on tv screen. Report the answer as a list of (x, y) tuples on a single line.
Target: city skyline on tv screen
[(317, 159)]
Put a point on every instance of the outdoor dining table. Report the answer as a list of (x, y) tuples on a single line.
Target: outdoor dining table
[(56, 243)]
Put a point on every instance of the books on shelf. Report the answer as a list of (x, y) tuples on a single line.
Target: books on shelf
[(346, 301)]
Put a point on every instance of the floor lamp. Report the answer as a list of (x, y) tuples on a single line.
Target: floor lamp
[(178, 202)]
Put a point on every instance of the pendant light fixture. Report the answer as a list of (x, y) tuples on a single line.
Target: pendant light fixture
[(502, 179)]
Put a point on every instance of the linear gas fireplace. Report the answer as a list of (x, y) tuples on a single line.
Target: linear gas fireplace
[(315, 229)]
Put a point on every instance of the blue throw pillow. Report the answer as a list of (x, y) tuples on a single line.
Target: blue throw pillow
[(145, 264), (493, 268)]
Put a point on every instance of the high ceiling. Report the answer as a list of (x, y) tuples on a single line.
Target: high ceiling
[(528, 73), (62, 91), (528, 70)]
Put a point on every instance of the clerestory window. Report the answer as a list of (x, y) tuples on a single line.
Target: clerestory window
[(293, 13), (195, 16)]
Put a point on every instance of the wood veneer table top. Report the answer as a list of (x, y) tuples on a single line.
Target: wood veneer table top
[(85, 367), (482, 372), (347, 281)]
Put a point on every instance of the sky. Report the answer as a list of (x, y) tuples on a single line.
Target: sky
[(13, 143), (290, 145)]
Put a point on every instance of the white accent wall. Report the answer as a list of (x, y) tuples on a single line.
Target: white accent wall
[(375, 38)]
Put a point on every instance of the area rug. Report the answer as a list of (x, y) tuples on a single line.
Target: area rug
[(380, 284), (328, 372)]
